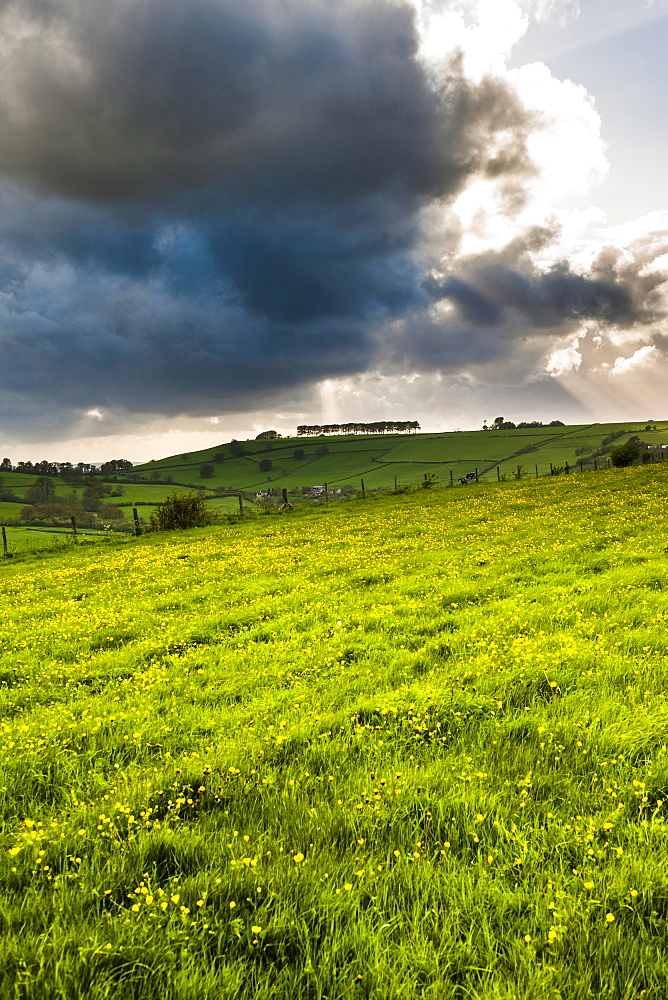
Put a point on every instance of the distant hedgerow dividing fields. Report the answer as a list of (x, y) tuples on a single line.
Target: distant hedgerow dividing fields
[(407, 747)]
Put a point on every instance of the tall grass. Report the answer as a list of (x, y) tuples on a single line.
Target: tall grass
[(407, 747)]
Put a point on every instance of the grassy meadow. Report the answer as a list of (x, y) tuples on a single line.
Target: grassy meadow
[(413, 746)]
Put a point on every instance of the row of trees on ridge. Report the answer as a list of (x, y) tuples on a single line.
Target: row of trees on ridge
[(377, 427)]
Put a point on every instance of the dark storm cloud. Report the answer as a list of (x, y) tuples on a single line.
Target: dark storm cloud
[(205, 202), (269, 99)]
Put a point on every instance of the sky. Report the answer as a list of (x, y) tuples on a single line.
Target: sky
[(220, 218)]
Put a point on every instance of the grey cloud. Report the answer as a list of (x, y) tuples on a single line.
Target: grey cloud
[(542, 299), (617, 290), (504, 307)]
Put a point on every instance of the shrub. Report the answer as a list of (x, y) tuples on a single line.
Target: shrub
[(266, 465), (625, 454), (181, 510), (206, 471)]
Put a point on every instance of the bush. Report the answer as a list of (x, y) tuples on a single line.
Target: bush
[(266, 465), (625, 454), (206, 471), (181, 510)]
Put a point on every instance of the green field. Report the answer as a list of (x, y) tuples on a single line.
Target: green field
[(409, 747), (21, 540), (379, 458)]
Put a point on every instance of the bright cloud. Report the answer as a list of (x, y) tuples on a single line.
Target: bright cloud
[(640, 359)]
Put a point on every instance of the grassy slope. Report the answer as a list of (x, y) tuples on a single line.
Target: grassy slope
[(408, 747), (379, 458)]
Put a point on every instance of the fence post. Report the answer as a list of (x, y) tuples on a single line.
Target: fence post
[(363, 490), (581, 469), (74, 527), (135, 515), (286, 503), (452, 481), (595, 466), (4, 541), (326, 494), (536, 468), (476, 475), (498, 474), (241, 505), (395, 482), (551, 469)]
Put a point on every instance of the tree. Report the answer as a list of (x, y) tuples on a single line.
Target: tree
[(6, 465), (206, 471), (92, 498), (237, 448), (268, 436), (42, 490), (299, 454), (266, 465), (109, 512), (322, 450), (625, 454), (115, 465)]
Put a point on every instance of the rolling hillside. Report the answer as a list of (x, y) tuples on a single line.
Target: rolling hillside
[(297, 464), (342, 461)]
